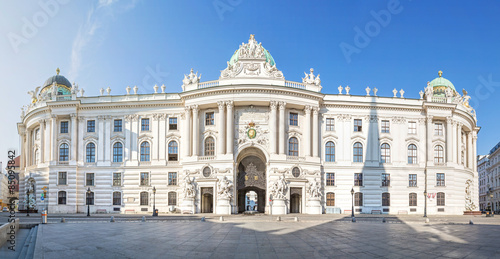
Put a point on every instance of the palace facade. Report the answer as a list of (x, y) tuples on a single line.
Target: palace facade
[(250, 135)]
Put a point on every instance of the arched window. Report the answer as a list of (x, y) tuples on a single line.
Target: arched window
[(172, 198), (413, 199), (61, 198), (293, 147), (357, 153), (440, 199), (173, 151), (209, 146), (412, 154), (63, 152), (90, 152), (330, 151), (117, 198), (118, 152), (330, 199), (438, 155), (385, 153), (144, 198), (145, 151)]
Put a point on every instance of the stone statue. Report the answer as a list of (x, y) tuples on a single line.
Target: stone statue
[(189, 188), (310, 78), (466, 99), (314, 189), (225, 187), (33, 94), (278, 189), (429, 92), (469, 204)]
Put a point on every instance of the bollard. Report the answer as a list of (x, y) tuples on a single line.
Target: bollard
[(353, 219), (383, 220), (427, 220), (63, 220), (278, 218), (143, 218), (202, 219), (221, 218), (296, 218), (112, 219), (470, 222), (44, 217)]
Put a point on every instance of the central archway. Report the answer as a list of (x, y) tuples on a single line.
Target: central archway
[(251, 176)]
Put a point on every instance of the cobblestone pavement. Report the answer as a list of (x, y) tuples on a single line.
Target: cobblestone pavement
[(261, 239)]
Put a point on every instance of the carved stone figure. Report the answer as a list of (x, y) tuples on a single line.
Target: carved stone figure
[(278, 189), (310, 78), (189, 187), (469, 204), (191, 78), (33, 94), (314, 189), (225, 187)]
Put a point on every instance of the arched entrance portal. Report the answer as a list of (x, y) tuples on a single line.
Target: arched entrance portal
[(251, 178)]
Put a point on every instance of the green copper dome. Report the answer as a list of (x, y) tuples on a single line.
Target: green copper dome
[(236, 55), (63, 84), (439, 84)]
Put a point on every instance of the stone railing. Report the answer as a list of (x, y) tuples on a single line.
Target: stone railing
[(295, 85), (206, 158), (208, 84), (438, 99), (295, 158)]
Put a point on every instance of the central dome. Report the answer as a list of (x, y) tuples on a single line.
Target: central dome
[(249, 48), (439, 85), (63, 84)]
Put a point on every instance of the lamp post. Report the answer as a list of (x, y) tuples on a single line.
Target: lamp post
[(28, 203), (154, 202), (88, 202), (352, 198), (425, 204), (491, 204)]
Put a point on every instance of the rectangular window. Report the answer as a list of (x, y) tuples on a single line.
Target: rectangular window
[(144, 179), (440, 199), (64, 127), (330, 179), (117, 198), (91, 126), (61, 198), (412, 180), (330, 124), (358, 199), (413, 199), (358, 179), (412, 127), (145, 124), (209, 118), (172, 178), (117, 126), (330, 199), (144, 199), (172, 198), (90, 198), (440, 179), (386, 179), (358, 125), (89, 179), (62, 178), (172, 123), (386, 199), (438, 129), (117, 179), (294, 119), (385, 126)]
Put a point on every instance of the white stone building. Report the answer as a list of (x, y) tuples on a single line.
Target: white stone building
[(251, 130), (489, 184), (484, 182)]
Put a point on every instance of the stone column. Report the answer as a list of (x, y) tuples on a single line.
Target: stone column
[(101, 141), (29, 147), (161, 136), (430, 135), (196, 131), (306, 143), (221, 128), (272, 127), (230, 128), (127, 125), (186, 133), (469, 150), (459, 143), (23, 148), (449, 140), (315, 133), (474, 151), (281, 138), (455, 143), (135, 129), (155, 130), (53, 141), (74, 136), (42, 140)]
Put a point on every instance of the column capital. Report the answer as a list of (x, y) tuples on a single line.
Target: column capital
[(41, 121), (315, 110), (449, 119), (195, 108), (307, 109), (156, 116), (53, 116), (229, 104), (273, 105), (221, 104), (429, 118), (282, 105), (73, 115)]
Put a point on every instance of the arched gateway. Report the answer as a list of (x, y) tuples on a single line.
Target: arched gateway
[(251, 176)]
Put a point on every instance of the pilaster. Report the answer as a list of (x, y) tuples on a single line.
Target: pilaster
[(230, 128), (221, 128), (281, 138)]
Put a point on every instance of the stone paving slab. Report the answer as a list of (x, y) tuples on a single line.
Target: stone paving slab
[(254, 239)]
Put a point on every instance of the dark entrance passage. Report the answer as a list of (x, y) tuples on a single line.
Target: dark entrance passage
[(207, 200), (295, 200), (251, 176)]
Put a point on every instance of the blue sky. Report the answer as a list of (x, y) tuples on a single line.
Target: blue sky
[(111, 43)]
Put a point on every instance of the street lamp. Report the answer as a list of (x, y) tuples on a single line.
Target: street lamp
[(352, 198), (425, 204), (491, 204), (88, 202), (154, 202)]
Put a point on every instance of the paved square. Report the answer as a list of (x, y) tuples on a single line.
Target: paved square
[(339, 239)]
